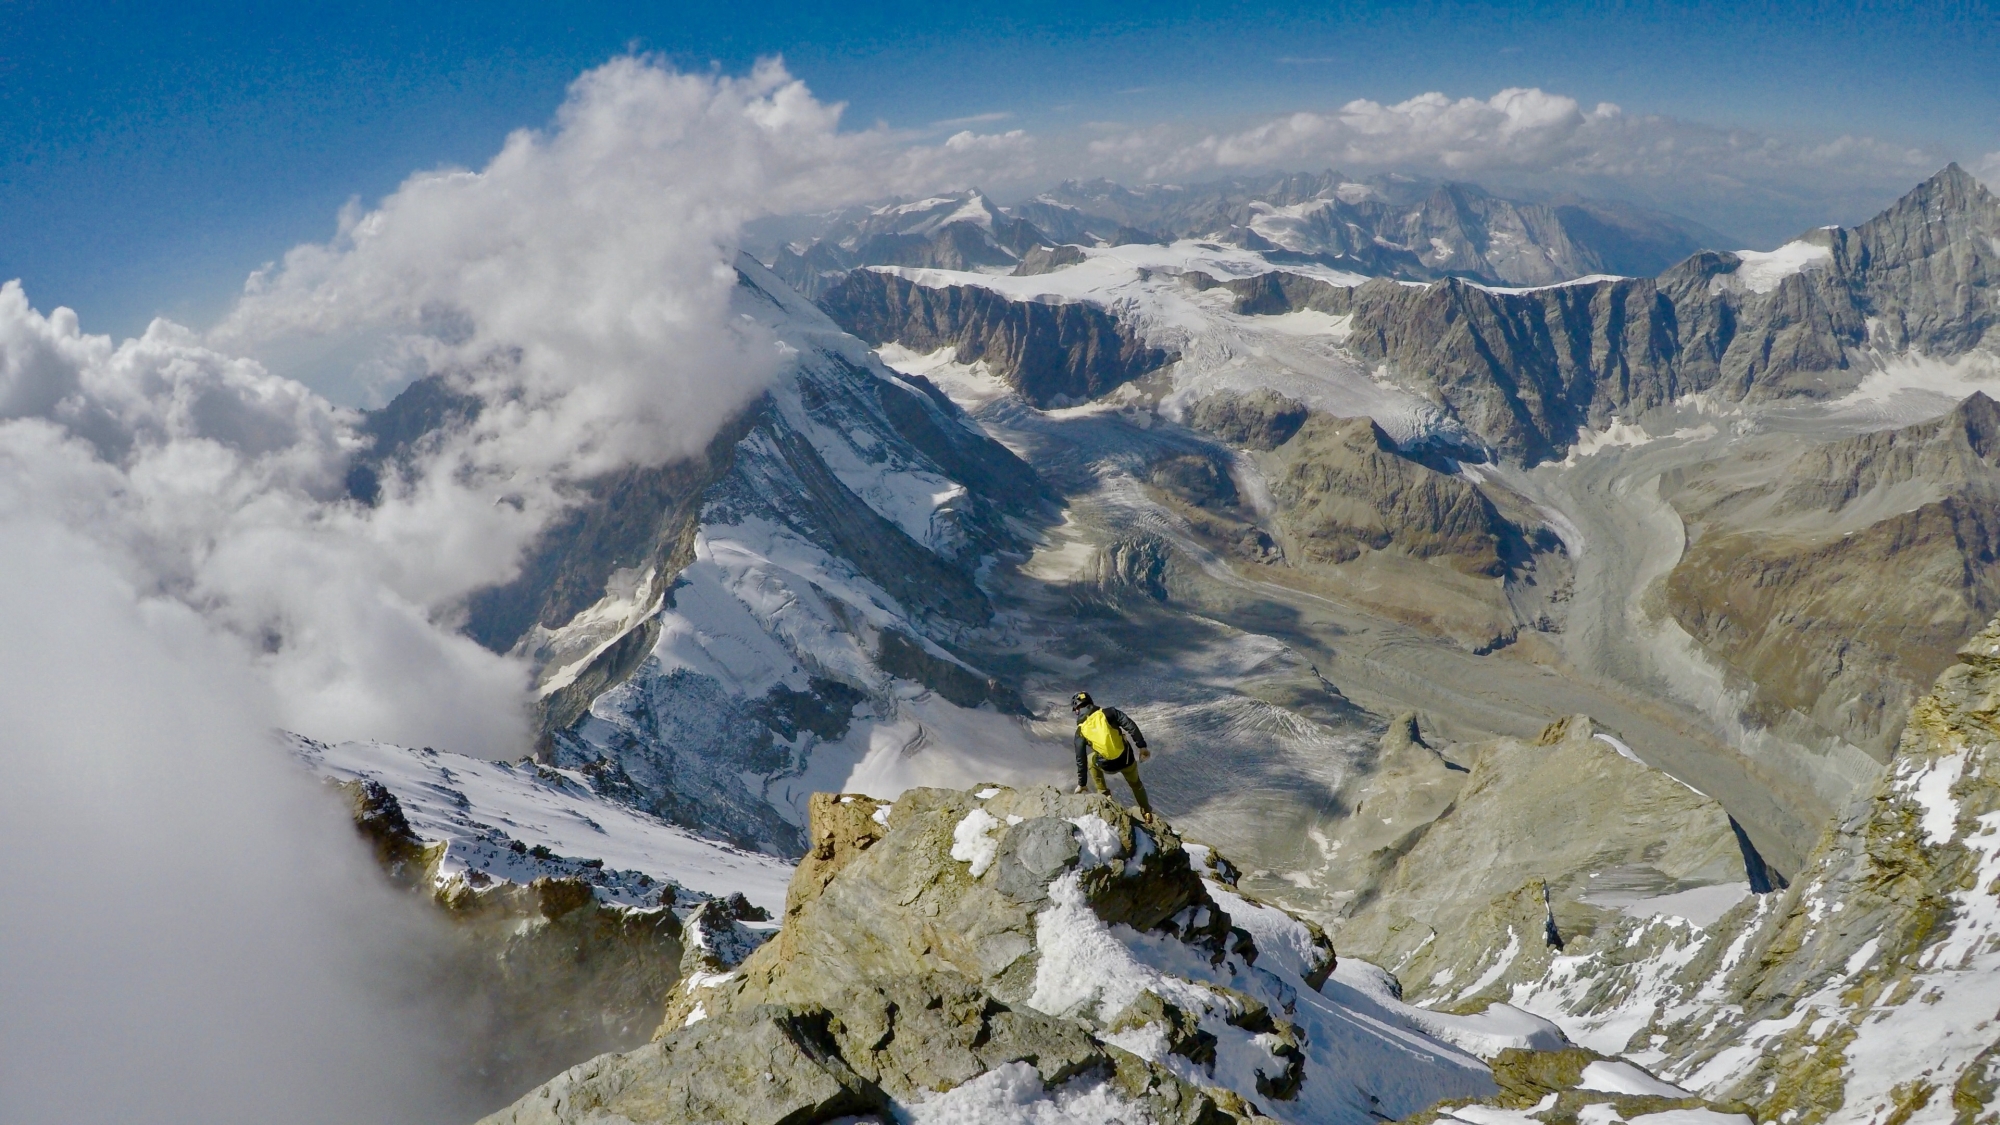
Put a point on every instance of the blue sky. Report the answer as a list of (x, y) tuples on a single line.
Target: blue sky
[(151, 155)]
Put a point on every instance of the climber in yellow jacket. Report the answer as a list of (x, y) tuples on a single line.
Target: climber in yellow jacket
[(1108, 741)]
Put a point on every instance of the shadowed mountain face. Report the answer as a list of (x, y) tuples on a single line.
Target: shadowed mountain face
[(1054, 354)]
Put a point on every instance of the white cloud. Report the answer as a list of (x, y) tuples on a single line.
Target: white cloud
[(1515, 128), (191, 934), (581, 276)]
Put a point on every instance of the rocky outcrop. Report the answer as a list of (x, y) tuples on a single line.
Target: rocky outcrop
[(1577, 1085), (1048, 259), (1345, 511), (1840, 586), (1053, 353), (1049, 947), (1261, 420), (542, 973), (1342, 488)]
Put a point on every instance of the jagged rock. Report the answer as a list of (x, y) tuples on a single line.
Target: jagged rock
[(545, 974), (1183, 1031), (893, 909), (378, 816), (1557, 1086), (764, 1066), (840, 827), (1051, 352), (1048, 259), (716, 938)]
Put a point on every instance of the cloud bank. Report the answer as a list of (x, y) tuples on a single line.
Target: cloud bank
[(191, 935), (1534, 138)]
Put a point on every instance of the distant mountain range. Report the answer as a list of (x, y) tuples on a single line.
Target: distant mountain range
[(1389, 226)]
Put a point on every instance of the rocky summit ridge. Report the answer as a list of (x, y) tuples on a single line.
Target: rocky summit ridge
[(1011, 947)]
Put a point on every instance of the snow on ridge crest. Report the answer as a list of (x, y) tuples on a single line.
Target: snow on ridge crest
[(480, 810)]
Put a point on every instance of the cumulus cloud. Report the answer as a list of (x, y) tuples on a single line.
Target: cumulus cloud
[(1514, 126), (203, 478), (581, 276)]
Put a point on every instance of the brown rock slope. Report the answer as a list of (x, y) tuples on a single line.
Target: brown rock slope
[(1537, 830), (1843, 584)]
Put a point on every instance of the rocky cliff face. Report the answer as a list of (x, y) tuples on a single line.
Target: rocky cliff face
[(1842, 583), (1009, 949), (1053, 353), (543, 972)]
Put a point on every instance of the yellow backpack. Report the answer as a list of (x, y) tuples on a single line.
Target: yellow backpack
[(1104, 736)]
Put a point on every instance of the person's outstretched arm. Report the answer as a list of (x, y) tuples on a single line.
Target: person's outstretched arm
[(1131, 729)]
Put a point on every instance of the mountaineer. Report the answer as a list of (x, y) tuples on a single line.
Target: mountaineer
[(1106, 739)]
